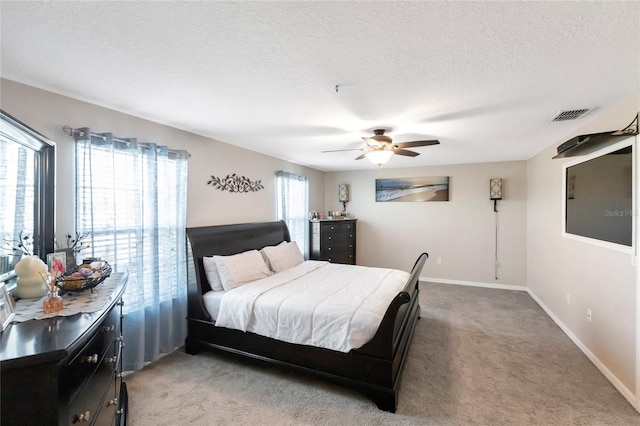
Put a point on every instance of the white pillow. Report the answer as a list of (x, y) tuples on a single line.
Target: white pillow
[(283, 256), (266, 259), (211, 271), (241, 268)]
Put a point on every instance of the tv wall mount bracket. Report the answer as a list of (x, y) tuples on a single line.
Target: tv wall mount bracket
[(586, 144)]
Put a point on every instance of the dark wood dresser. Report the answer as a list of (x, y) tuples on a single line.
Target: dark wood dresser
[(65, 370), (333, 240)]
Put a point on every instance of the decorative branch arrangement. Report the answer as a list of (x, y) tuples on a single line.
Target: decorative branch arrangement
[(24, 243), (235, 183), (78, 243)]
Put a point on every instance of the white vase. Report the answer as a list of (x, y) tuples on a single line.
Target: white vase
[(30, 284)]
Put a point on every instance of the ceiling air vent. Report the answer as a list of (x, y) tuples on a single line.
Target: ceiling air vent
[(569, 115)]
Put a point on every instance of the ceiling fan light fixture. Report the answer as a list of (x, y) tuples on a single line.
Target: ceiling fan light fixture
[(379, 157)]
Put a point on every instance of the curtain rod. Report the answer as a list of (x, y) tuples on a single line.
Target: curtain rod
[(73, 132)]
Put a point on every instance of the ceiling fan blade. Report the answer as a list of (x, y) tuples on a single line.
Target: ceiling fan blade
[(414, 144), (341, 150), (406, 152), (361, 156)]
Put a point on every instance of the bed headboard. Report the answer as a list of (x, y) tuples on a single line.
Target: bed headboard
[(224, 240)]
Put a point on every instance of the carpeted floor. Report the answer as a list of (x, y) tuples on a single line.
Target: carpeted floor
[(478, 357)]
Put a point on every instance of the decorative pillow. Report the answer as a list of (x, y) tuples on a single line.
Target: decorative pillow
[(241, 268), (211, 271), (283, 256)]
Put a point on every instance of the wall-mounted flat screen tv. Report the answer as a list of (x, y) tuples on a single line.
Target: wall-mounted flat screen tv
[(599, 197)]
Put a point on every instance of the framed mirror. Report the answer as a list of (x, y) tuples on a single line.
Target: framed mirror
[(27, 191)]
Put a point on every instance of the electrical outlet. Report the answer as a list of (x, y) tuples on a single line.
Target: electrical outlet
[(439, 261), (589, 315), (568, 298)]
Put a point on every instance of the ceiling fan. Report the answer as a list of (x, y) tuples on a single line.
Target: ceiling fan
[(380, 147)]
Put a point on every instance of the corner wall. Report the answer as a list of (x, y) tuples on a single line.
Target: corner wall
[(567, 277)]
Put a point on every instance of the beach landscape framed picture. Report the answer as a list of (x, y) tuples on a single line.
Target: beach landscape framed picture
[(413, 189)]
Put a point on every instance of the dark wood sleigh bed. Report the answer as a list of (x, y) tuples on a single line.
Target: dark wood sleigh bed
[(373, 369)]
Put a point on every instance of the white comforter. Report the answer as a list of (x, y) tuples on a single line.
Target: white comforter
[(316, 303)]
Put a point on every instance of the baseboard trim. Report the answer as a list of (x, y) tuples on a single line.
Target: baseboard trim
[(620, 387), (626, 393), (475, 284)]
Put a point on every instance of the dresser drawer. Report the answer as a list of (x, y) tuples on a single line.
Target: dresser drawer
[(83, 366), (111, 328), (98, 391), (111, 402), (337, 227), (100, 346), (109, 406), (338, 241), (340, 257), (336, 250)]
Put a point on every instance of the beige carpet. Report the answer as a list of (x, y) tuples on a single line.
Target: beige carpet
[(479, 357)]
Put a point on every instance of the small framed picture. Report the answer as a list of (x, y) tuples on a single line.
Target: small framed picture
[(57, 262), (6, 307)]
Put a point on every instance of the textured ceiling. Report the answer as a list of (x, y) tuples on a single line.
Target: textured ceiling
[(482, 77)]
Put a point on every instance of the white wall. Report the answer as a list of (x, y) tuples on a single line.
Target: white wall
[(597, 278), (47, 113), (461, 231)]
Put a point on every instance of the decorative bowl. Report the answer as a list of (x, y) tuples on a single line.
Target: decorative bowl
[(84, 277)]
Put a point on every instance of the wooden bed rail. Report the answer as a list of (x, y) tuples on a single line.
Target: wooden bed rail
[(392, 326)]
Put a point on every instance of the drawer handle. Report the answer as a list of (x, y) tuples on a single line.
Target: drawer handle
[(332, 228), (329, 237), (110, 360), (350, 246), (91, 359), (350, 235), (120, 411), (329, 249), (114, 401), (108, 328), (84, 417), (329, 260), (119, 339)]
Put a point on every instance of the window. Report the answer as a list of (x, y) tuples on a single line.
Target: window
[(131, 201), (292, 203)]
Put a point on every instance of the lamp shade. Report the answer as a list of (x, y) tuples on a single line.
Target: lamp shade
[(495, 189), (379, 157), (343, 192)]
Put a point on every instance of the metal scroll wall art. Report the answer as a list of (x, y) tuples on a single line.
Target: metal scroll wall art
[(235, 183)]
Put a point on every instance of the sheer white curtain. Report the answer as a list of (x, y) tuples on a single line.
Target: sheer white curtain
[(292, 192), (131, 199)]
